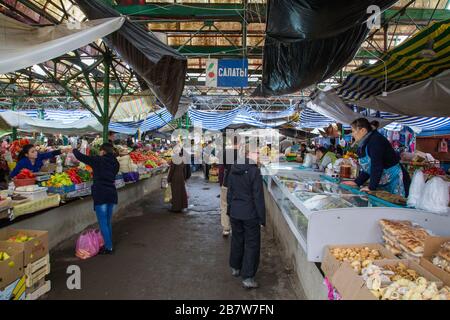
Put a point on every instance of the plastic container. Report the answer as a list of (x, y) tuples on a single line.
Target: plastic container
[(24, 182), (62, 190), (40, 193)]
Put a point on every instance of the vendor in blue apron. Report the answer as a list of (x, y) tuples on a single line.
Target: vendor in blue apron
[(378, 160)]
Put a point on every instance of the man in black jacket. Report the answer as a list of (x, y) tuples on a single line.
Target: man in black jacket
[(247, 212)]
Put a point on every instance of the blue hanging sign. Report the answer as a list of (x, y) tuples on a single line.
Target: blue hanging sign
[(227, 73)]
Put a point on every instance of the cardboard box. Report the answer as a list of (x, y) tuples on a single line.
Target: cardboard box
[(432, 245), (49, 168), (351, 286), (11, 269), (14, 291), (33, 250), (330, 264)]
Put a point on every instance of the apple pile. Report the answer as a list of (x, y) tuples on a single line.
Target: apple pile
[(20, 238)]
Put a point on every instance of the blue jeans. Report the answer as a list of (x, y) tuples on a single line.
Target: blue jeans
[(104, 214)]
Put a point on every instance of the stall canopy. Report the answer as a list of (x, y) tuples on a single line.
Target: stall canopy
[(329, 104), (430, 97), (9, 119), (218, 120), (76, 122), (23, 46), (307, 41), (129, 108), (309, 118), (409, 73), (162, 68)]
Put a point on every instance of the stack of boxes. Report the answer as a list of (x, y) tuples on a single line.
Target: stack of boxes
[(22, 276)]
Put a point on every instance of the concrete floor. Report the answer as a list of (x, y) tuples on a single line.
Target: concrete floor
[(163, 255)]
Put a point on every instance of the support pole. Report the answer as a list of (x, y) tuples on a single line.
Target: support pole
[(105, 115), (14, 129)]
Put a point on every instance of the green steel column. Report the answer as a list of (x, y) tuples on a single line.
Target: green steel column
[(14, 130), (105, 118)]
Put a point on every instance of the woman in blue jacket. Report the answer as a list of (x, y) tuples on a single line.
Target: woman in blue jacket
[(378, 161), (30, 159)]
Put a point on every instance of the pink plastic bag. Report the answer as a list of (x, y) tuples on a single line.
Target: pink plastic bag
[(89, 243)]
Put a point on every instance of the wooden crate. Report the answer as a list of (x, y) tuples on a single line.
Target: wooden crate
[(43, 289), (36, 271)]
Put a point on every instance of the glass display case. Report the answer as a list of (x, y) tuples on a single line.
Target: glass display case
[(321, 211)]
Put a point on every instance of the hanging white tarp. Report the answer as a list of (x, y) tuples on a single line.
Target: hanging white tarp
[(9, 119), (130, 108), (429, 98), (23, 46), (329, 104)]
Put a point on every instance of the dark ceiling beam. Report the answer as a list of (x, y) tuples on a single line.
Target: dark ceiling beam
[(230, 51), (255, 13)]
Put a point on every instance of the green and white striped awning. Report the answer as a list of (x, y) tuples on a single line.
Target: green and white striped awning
[(425, 55)]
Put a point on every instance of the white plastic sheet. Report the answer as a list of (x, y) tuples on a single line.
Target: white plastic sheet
[(9, 119), (23, 46), (329, 104), (430, 98)]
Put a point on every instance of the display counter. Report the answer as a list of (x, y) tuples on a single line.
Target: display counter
[(73, 217), (318, 211)]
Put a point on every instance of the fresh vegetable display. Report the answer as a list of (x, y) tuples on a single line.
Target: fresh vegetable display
[(58, 180), (150, 164), (74, 177), (25, 174), (434, 171), (78, 175)]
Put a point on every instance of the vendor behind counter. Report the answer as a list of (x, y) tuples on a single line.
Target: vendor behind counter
[(30, 159), (378, 161), (324, 158)]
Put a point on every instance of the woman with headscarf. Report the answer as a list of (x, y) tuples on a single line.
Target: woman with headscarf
[(179, 172)]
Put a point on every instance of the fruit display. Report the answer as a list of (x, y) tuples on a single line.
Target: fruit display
[(442, 258), (398, 282), (25, 174), (145, 157), (4, 256), (357, 257), (150, 164), (58, 180), (20, 238)]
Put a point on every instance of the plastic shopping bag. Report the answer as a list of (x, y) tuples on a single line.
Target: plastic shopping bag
[(168, 194), (310, 160), (416, 189), (435, 196), (89, 243)]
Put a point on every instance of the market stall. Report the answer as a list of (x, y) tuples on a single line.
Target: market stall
[(68, 179), (309, 211)]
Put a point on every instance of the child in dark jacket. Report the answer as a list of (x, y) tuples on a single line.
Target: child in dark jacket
[(105, 168)]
